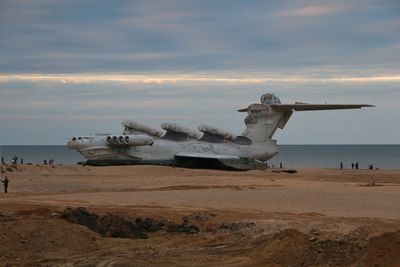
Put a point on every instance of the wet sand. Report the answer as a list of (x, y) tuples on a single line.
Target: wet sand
[(339, 205)]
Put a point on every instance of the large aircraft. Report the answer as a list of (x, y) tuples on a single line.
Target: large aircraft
[(209, 147)]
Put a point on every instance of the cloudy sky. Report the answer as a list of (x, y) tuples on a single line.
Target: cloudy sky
[(80, 67)]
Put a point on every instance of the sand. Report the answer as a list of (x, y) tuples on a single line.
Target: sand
[(259, 218)]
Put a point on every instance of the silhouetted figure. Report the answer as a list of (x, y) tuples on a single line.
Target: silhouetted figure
[(341, 165), (5, 183), (22, 161), (51, 161), (280, 165), (356, 165), (352, 166), (14, 160), (2, 160), (45, 161)]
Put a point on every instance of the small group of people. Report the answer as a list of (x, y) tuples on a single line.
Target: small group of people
[(51, 161), (14, 160), (355, 166)]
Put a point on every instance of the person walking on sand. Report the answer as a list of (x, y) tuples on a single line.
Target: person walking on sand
[(5, 183), (352, 166), (341, 165), (356, 165)]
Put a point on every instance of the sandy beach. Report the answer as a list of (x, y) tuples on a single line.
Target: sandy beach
[(320, 217)]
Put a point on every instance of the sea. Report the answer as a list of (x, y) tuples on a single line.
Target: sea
[(291, 156)]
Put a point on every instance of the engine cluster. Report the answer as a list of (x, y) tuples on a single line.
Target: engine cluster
[(129, 140)]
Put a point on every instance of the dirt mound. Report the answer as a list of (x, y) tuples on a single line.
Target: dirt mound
[(110, 225), (293, 248), (204, 221), (236, 228), (34, 241), (150, 225), (335, 253), (36, 238), (286, 248), (384, 250), (44, 212), (4, 218)]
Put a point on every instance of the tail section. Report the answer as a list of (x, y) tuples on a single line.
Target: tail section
[(263, 119)]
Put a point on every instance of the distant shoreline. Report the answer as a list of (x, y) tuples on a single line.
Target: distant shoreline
[(383, 156)]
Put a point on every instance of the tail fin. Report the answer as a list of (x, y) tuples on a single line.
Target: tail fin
[(263, 119)]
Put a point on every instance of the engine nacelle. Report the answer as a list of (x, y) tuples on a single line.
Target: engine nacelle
[(138, 140), (129, 140), (109, 140), (115, 140)]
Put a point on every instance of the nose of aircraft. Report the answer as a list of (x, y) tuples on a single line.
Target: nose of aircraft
[(74, 142)]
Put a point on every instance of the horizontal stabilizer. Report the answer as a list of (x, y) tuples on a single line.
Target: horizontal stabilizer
[(307, 107)]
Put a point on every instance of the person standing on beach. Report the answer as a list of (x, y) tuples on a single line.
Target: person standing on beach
[(22, 161), (356, 165), (341, 165), (5, 183), (352, 166), (2, 160)]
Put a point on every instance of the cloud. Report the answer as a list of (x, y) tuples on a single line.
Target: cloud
[(189, 77), (181, 36), (312, 11)]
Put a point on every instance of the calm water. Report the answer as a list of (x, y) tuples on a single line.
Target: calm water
[(325, 156)]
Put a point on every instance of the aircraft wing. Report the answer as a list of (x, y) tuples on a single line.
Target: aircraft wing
[(204, 156), (306, 107)]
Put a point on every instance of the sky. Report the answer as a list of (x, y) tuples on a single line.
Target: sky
[(70, 68)]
